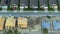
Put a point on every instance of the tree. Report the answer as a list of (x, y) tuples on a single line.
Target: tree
[(25, 33), (44, 31), (0, 1), (10, 31), (15, 31), (48, 4), (0, 7), (9, 3), (51, 24), (57, 4), (4, 24), (28, 6), (49, 8), (48, 17), (28, 3), (5, 32), (18, 4), (38, 4), (39, 8), (19, 32)]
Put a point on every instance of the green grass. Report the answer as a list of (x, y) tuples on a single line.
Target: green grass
[(0, 8), (28, 9), (41, 9), (44, 31), (58, 9), (50, 9), (18, 9), (10, 9)]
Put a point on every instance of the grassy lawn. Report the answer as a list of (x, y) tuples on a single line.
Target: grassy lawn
[(9, 11), (58, 11), (51, 11), (21, 10), (28, 11), (41, 11)]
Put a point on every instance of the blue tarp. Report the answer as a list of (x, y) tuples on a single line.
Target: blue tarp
[(46, 24), (56, 24)]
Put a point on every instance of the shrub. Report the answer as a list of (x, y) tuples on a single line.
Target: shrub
[(28, 9), (10, 8), (0, 8), (50, 9), (41, 9), (44, 31), (18, 8)]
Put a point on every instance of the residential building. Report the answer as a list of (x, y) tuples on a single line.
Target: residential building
[(10, 22), (22, 22), (2, 20)]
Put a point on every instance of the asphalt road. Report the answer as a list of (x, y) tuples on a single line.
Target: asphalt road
[(28, 13)]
